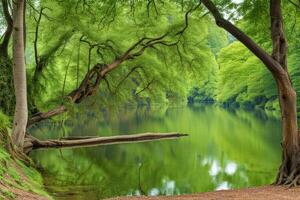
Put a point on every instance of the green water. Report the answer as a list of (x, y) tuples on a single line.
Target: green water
[(225, 149)]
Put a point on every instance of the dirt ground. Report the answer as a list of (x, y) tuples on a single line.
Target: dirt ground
[(258, 193), (10, 190), (19, 193)]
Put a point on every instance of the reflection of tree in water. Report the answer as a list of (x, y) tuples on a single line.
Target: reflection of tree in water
[(227, 174), (221, 152)]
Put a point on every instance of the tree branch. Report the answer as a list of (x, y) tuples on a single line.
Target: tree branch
[(43, 59), (46, 115), (279, 40), (296, 5), (125, 77), (37, 11), (148, 7), (92, 79), (273, 66), (32, 143), (187, 18), (107, 84), (8, 31), (146, 87), (38, 21)]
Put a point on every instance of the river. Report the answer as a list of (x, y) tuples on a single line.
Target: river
[(225, 149)]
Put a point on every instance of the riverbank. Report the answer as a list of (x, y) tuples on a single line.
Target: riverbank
[(257, 193), (18, 181)]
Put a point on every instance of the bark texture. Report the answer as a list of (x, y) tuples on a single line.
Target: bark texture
[(19, 73), (33, 143), (289, 172)]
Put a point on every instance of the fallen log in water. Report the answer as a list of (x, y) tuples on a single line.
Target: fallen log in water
[(34, 143)]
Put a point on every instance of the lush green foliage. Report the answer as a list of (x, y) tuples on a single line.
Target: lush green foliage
[(244, 80), (207, 64), (171, 70), (7, 98), (64, 39), (241, 80), (15, 174)]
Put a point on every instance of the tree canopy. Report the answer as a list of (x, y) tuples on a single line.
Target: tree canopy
[(66, 56)]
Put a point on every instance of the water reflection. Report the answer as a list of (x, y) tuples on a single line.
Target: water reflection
[(224, 150)]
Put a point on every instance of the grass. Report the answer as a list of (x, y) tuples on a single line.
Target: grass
[(16, 177)]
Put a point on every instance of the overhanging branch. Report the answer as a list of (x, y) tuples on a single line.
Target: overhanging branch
[(295, 4), (91, 81), (187, 18), (269, 62)]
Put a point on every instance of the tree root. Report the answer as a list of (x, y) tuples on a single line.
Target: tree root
[(32, 143), (295, 182), (6, 141), (289, 171)]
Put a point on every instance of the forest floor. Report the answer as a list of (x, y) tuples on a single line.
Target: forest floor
[(256, 193)]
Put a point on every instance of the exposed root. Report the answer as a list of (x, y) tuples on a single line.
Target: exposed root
[(14, 153), (290, 178), (295, 182), (289, 171), (281, 175)]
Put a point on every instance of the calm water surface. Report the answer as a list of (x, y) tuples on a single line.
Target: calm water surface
[(225, 149)]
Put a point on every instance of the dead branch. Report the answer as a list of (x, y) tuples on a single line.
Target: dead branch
[(32, 143)]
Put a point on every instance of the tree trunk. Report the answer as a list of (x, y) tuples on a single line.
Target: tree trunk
[(8, 31), (289, 172), (19, 73)]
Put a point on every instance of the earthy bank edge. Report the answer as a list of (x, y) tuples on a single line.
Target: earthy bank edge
[(18, 181), (256, 193)]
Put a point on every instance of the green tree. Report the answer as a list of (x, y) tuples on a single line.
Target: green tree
[(276, 63)]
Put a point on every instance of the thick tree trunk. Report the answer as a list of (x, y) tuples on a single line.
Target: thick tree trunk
[(289, 172), (288, 100), (19, 73)]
